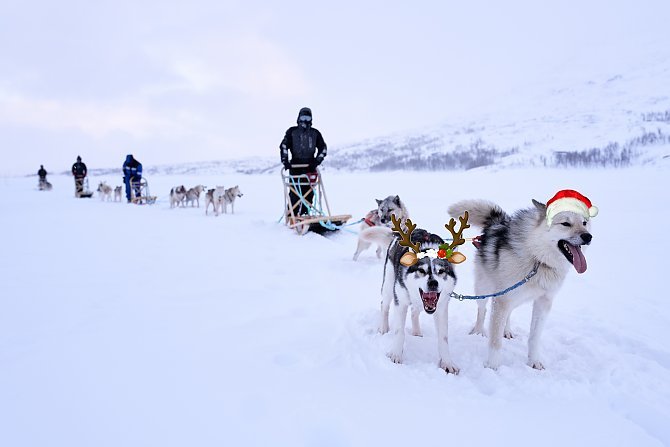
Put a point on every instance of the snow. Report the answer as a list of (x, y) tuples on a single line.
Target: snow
[(127, 325)]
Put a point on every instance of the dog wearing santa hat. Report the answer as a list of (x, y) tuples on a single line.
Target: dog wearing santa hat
[(547, 238)]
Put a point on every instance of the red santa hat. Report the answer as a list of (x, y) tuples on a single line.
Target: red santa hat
[(570, 200)]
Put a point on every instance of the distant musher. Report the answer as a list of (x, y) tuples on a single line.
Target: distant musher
[(42, 183), (79, 172), (132, 171)]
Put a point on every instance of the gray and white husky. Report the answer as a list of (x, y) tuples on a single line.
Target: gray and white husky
[(380, 217), (509, 249), (177, 196), (215, 197), (229, 198), (425, 285), (105, 191), (117, 193), (193, 195)]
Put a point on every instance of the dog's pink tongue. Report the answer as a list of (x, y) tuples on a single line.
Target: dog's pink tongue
[(578, 259)]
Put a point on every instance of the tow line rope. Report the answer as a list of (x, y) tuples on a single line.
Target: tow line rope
[(526, 278), (313, 211)]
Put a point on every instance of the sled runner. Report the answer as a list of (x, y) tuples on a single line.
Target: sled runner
[(304, 196), (139, 192), (81, 189)]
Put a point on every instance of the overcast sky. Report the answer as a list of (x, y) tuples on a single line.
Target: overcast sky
[(207, 80)]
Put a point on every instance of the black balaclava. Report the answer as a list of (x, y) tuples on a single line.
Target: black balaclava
[(305, 118)]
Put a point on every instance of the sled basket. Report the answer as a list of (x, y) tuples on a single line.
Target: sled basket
[(139, 192), (304, 200), (82, 191)]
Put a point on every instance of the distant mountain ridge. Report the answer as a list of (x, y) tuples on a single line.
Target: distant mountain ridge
[(614, 120)]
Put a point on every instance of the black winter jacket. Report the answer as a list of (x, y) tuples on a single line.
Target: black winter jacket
[(79, 170), (302, 143)]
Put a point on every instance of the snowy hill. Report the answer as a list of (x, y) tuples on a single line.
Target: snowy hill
[(612, 119)]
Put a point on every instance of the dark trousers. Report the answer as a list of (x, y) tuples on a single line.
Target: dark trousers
[(302, 187), (135, 180)]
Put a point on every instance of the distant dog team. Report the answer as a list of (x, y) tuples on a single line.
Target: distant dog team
[(220, 197)]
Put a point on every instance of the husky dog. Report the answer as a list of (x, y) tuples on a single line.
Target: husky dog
[(193, 195), (44, 185), (229, 197), (508, 251), (105, 191), (215, 197), (425, 285), (117, 193), (380, 217), (177, 196)]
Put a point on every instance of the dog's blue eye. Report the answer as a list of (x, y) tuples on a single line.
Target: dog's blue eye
[(566, 224)]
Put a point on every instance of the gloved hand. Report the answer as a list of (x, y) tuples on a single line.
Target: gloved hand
[(312, 166), (287, 165)]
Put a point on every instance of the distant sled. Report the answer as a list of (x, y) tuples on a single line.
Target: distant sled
[(139, 192), (81, 190), (317, 219)]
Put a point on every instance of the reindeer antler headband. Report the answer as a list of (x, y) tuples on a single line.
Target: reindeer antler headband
[(446, 251)]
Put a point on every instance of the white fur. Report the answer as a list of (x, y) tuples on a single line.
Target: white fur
[(410, 297), (530, 241), (105, 191), (177, 196), (117, 193), (215, 198), (193, 195), (229, 197), (364, 242)]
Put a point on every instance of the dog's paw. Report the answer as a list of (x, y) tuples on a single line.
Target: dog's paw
[(508, 334), (396, 357), (417, 333), (449, 368), (478, 331), (536, 365), (493, 362), (383, 330)]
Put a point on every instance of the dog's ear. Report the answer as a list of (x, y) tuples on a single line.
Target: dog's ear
[(396, 200), (379, 202), (540, 206)]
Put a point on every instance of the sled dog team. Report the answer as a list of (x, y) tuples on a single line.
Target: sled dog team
[(180, 196), (105, 192), (218, 197), (541, 243)]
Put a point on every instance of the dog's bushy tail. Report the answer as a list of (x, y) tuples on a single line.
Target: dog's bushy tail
[(379, 235), (482, 212)]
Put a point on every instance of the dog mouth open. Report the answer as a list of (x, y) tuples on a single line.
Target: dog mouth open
[(429, 300), (574, 255)]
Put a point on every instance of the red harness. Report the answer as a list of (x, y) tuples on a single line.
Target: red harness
[(368, 219)]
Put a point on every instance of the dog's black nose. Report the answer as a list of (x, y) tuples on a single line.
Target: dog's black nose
[(433, 284), (586, 237)]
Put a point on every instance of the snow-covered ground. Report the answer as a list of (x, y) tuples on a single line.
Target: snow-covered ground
[(125, 325)]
